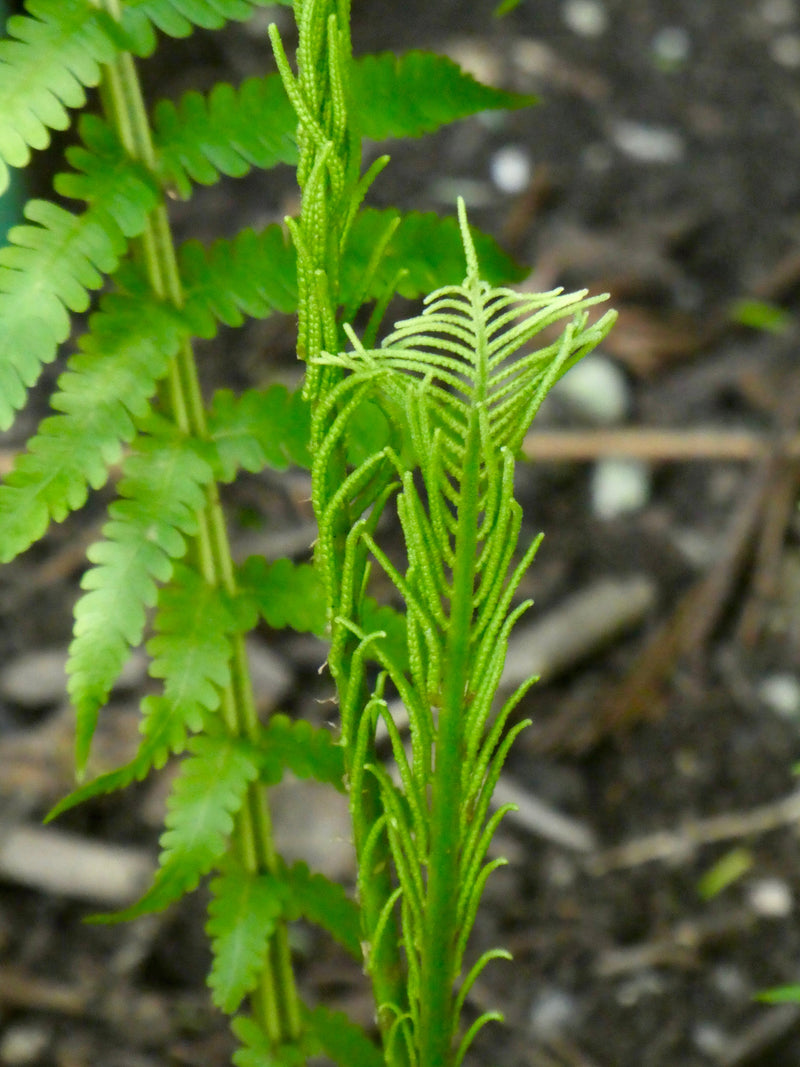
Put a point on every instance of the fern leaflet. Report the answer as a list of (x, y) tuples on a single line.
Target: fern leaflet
[(305, 750), (208, 792), (163, 492), (106, 386), (243, 911), (417, 92), (48, 268), (283, 594)]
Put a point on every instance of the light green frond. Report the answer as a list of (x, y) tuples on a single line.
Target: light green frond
[(208, 791), (46, 62), (163, 491), (104, 390), (242, 914), (48, 268)]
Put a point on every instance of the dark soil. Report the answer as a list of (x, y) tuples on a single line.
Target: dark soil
[(663, 168)]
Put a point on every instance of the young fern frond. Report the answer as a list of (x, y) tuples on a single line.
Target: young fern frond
[(467, 395)]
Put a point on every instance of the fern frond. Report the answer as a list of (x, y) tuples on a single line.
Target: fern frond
[(243, 912), (178, 18), (108, 385), (258, 1049), (318, 899), (424, 253), (191, 650), (232, 129), (226, 132), (260, 428), (343, 1041), (207, 793), (46, 63), (305, 750), (283, 593), (163, 493), (48, 268), (254, 274), (417, 92)]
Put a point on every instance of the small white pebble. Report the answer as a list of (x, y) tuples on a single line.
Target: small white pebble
[(588, 18), (771, 898), (779, 12), (648, 144), (729, 980), (710, 1039), (785, 50), (22, 1044), (551, 1013), (597, 389), (781, 694), (671, 46), (619, 487), (510, 168)]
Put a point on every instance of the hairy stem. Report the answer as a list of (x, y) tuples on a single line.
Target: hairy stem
[(275, 1002)]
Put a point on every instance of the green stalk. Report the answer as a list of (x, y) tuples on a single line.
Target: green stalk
[(437, 1022), (275, 1002)]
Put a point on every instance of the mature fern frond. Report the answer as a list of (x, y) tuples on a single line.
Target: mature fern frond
[(105, 388), (252, 275), (208, 792), (342, 1040), (191, 651), (283, 593), (52, 55), (226, 132), (243, 912), (257, 1049), (233, 129), (260, 428), (307, 751), (423, 253), (45, 65), (163, 493), (47, 269), (321, 901), (416, 92)]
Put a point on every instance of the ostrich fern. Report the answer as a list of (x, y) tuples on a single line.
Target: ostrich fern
[(448, 391)]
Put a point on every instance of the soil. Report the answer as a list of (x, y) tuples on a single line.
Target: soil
[(660, 165)]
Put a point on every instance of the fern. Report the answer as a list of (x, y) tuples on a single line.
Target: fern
[(453, 376), (424, 427), (283, 594), (243, 912), (208, 792), (162, 495)]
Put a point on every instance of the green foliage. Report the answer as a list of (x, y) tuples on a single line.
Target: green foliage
[(305, 750), (422, 428), (208, 792), (243, 912), (162, 496), (467, 398)]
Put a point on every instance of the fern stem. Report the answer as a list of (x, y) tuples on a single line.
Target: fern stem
[(275, 1002), (439, 963)]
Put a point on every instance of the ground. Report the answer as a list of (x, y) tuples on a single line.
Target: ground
[(660, 166)]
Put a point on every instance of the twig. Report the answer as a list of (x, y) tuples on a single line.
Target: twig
[(655, 445), (678, 846)]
